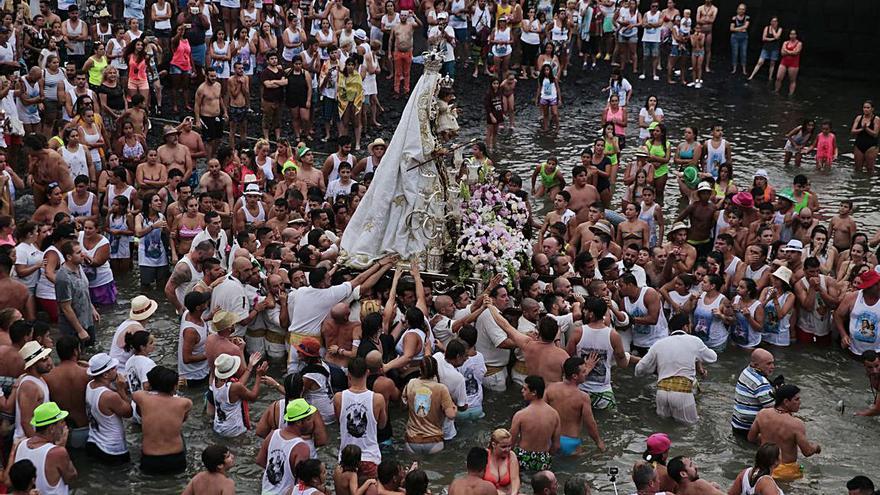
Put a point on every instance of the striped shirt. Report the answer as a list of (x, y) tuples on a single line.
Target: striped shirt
[(753, 393)]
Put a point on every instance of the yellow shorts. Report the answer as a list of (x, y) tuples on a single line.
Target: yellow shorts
[(788, 472)]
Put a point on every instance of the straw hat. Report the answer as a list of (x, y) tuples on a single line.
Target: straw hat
[(104, 13), (676, 227), (642, 152), (376, 142), (601, 227), (142, 307), (32, 352), (783, 273), (226, 365), (47, 414), (168, 130), (224, 320), (298, 409)]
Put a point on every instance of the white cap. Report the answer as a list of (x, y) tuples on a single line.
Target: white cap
[(253, 189), (704, 186), (761, 173)]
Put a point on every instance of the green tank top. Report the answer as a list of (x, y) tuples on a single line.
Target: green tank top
[(657, 151), (609, 148), (549, 180), (96, 71), (803, 203)]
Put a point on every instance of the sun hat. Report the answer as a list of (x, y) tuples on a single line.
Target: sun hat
[(794, 245), (704, 186), (169, 129), (444, 15), (783, 273), (47, 414), (289, 165), (252, 190), (744, 199), (309, 347), (32, 352), (868, 279), (101, 363), (676, 227), (224, 320), (360, 34), (104, 12), (658, 443), (601, 227), (303, 151), (142, 307), (691, 177), (761, 173), (786, 195), (298, 409), (376, 142), (248, 178), (225, 365), (642, 152)]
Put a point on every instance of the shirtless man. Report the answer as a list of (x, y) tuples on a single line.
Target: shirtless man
[(191, 139), (337, 13), (581, 237), (402, 48), (162, 415), (178, 206), (239, 88), (13, 294), (218, 460), (681, 255), (217, 180), (340, 336), (702, 215), (706, 14), (174, 155), (582, 195), (45, 166), (280, 216), (535, 429), (542, 356), (766, 214), (11, 362), (307, 171), (573, 405), (210, 110), (843, 227), (779, 425), (473, 483), (683, 471), (560, 213), (67, 386)]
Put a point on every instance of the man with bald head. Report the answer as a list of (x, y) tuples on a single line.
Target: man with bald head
[(381, 384), (444, 325), (753, 391), (341, 338), (545, 483), (231, 295)]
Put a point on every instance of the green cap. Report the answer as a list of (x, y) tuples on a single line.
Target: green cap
[(691, 177), (47, 414), (298, 409), (289, 165), (301, 152), (653, 125), (785, 194)]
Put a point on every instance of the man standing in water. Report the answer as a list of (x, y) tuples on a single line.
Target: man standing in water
[(535, 430), (573, 405), (32, 388), (702, 214), (284, 448), (683, 471), (582, 196), (871, 360), (753, 391), (67, 386), (45, 448), (162, 415), (779, 426), (858, 316), (473, 483)]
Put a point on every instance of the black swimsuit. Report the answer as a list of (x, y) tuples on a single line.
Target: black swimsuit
[(865, 141)]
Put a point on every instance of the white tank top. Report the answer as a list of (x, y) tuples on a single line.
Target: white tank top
[(77, 210), (559, 33), (38, 457), (192, 371), (104, 35), (677, 299), (116, 49), (707, 327), (742, 332), (195, 277), (756, 274), (777, 331), (278, 477), (597, 340), (268, 168), (321, 397), (41, 384), (647, 216), (228, 417), (370, 166), (863, 320), (297, 490), (107, 432), (357, 425), (334, 174), (45, 287), (260, 217), (117, 351), (281, 404), (95, 153), (645, 335), (818, 321), (76, 161), (715, 156), (112, 193), (501, 35), (97, 275), (747, 488), (166, 24)]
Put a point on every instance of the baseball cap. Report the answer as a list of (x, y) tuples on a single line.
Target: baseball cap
[(658, 443)]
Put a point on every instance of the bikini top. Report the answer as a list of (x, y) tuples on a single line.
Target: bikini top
[(489, 475)]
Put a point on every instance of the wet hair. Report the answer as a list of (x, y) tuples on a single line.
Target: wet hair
[(678, 322), (811, 262), (536, 385), (214, 456), (387, 470), (454, 349), (357, 366), (477, 459), (581, 259), (548, 328), (66, 347), (577, 170), (766, 457), (857, 483), (350, 458), (674, 468), (468, 334), (22, 475), (307, 470), (784, 393), (20, 330), (415, 318), (577, 484), (41, 329), (595, 306), (8, 316), (716, 280), (416, 482), (643, 474), (162, 379), (541, 481), (371, 324), (572, 366), (800, 180), (428, 368), (136, 341), (752, 287)]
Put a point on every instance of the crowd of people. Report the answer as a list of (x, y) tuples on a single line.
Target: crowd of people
[(243, 243)]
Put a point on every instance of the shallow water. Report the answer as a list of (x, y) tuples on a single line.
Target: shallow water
[(755, 122)]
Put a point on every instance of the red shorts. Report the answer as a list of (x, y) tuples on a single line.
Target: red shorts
[(808, 338), (50, 306), (367, 471)]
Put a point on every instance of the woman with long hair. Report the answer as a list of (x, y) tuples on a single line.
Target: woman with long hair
[(111, 94), (724, 186), (120, 228), (748, 315), (264, 41), (96, 264), (770, 37), (799, 139), (52, 259), (116, 53), (152, 229), (615, 114), (659, 152), (311, 476), (758, 479), (820, 248), (350, 98), (711, 312), (649, 114), (180, 69), (136, 57), (243, 51), (494, 108), (866, 128), (790, 63), (92, 137), (94, 66), (185, 228), (130, 147), (29, 261), (219, 55), (77, 156), (778, 300), (548, 97)]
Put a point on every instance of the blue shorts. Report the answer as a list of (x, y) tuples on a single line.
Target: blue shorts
[(461, 35), (329, 109), (471, 413), (772, 55), (198, 54), (650, 48), (569, 445), (621, 38), (176, 71), (679, 51)]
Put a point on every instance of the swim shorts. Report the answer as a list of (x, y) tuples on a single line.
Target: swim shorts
[(213, 127), (603, 400), (788, 472), (569, 445), (533, 461), (164, 464), (237, 114)]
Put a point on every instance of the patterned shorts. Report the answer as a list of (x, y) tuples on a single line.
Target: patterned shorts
[(533, 461)]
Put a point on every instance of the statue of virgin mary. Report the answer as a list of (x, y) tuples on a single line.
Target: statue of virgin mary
[(389, 217)]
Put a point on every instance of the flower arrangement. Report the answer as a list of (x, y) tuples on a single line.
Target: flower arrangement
[(492, 239)]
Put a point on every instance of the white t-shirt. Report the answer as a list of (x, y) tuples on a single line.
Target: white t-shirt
[(644, 133), (337, 188), (313, 305), (230, 295), (489, 335), (473, 370), (454, 381), (27, 255), (449, 48)]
